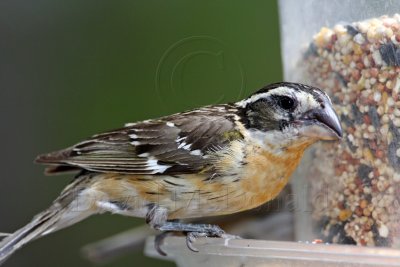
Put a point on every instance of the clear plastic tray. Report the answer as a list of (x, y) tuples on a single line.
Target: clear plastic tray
[(245, 252)]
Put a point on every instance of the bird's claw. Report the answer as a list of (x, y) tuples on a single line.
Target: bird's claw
[(159, 240), (214, 231), (191, 237)]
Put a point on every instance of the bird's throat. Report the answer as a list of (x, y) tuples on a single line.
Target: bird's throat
[(268, 173)]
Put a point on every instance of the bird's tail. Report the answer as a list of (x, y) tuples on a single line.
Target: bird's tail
[(63, 212), (36, 228)]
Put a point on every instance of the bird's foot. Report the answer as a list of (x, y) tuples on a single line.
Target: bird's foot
[(192, 232)]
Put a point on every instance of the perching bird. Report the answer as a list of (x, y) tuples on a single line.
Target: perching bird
[(210, 161)]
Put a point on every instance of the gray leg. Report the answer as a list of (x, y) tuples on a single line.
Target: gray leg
[(157, 218), (192, 232), (208, 229)]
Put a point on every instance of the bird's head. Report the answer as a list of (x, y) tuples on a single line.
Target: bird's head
[(291, 113)]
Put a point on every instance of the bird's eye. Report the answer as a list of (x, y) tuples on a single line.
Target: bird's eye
[(287, 103)]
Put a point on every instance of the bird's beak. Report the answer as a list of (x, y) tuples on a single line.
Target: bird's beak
[(321, 123)]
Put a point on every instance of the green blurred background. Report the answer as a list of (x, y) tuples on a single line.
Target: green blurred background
[(70, 69)]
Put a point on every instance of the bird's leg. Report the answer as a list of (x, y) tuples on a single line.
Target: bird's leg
[(192, 231), (157, 218), (209, 230)]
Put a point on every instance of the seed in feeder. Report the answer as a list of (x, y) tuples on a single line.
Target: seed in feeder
[(385, 118), (396, 122), (351, 30), (374, 116), (358, 211), (388, 54), (367, 119), (390, 85), (359, 39), (376, 56), (363, 204), (352, 147), (355, 74), (312, 50), (344, 214), (396, 177), (379, 240), (389, 32), (381, 187), (396, 88), (363, 171), (367, 154), (371, 129), (367, 190), (346, 120), (395, 131), (374, 72), (393, 159), (379, 154), (357, 49), (383, 230), (358, 116), (377, 95), (366, 212)]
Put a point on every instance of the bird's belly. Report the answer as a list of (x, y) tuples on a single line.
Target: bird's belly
[(185, 196), (260, 179)]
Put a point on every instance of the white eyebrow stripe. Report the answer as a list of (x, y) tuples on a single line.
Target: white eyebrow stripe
[(303, 97), (283, 90)]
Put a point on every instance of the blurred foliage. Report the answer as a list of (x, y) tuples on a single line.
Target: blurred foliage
[(69, 69)]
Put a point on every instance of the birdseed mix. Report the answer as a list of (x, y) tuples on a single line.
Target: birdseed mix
[(356, 184)]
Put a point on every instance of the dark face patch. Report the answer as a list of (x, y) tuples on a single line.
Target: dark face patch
[(276, 112), (262, 114)]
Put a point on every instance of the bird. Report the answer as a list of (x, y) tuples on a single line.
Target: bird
[(210, 161)]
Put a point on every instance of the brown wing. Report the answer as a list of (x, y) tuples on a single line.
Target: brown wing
[(170, 145)]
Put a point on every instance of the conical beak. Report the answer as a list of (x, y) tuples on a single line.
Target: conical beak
[(322, 123)]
